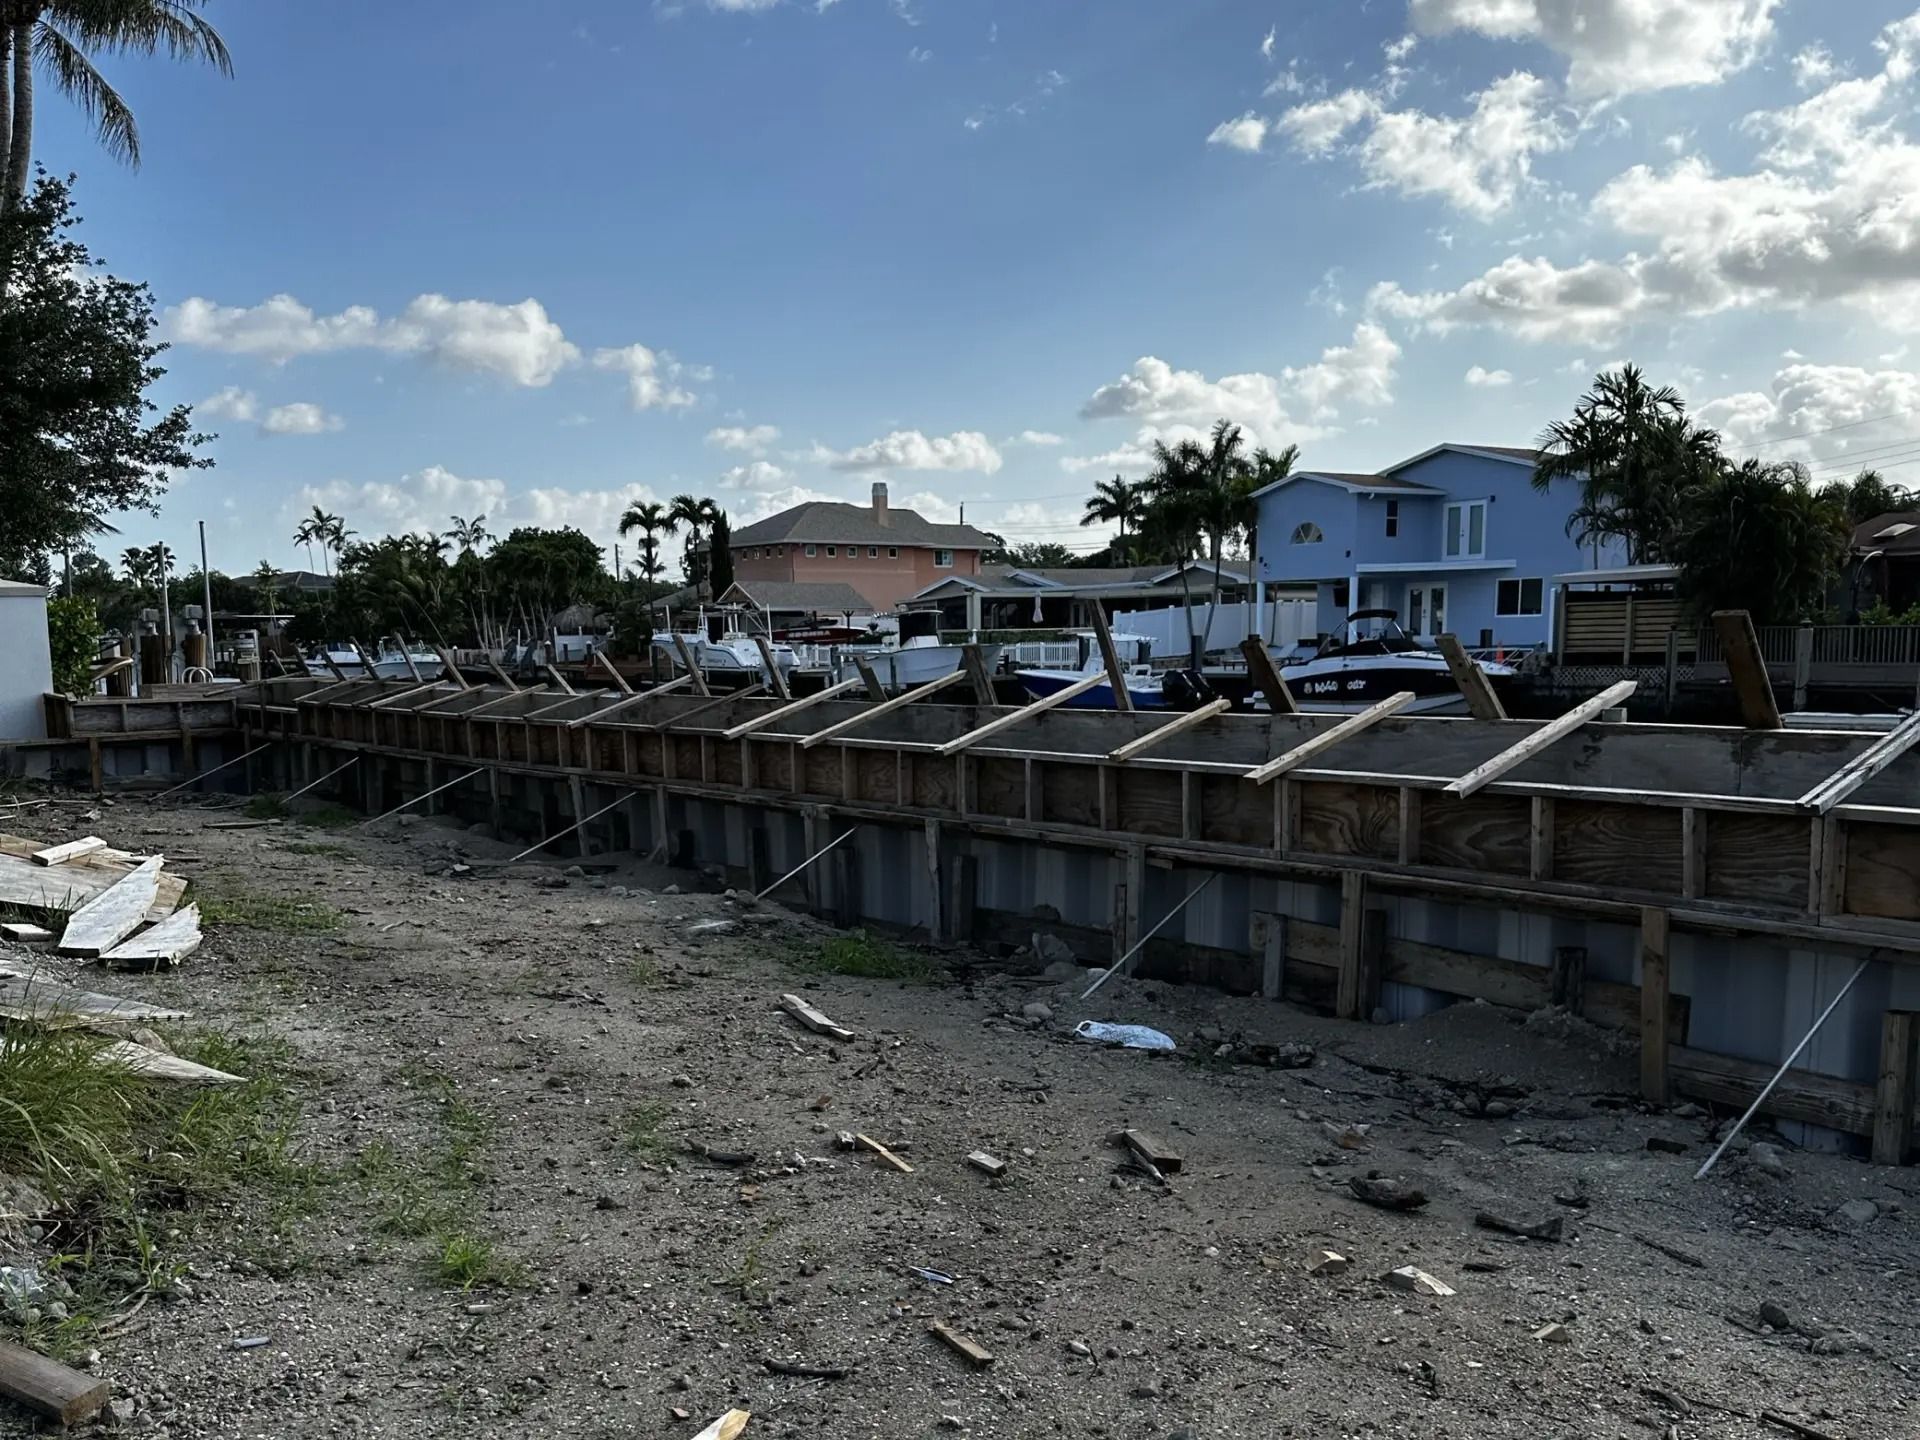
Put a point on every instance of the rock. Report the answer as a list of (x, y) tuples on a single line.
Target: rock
[(1769, 1160), (618, 892), (1387, 1194), (1061, 971), (1037, 1010), (681, 1082), (1553, 1335), (1080, 1348), (1210, 1035), (1380, 1016), (1328, 1262), (1688, 1111), (1411, 1277), (1774, 1315), (1052, 950), (671, 890), (1858, 1212), (574, 872), (553, 882), (121, 1411), (1498, 1109)]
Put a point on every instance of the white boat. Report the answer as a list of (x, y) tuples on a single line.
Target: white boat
[(1369, 658), (388, 664), (728, 652), (917, 657)]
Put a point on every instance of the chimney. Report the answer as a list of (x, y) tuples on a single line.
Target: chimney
[(880, 503)]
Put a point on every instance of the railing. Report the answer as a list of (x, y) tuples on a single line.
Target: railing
[(1890, 645)]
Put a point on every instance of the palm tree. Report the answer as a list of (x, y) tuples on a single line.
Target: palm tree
[(697, 514), (1264, 469), (469, 535), (137, 563), (1760, 538), (59, 34), (1870, 494), (319, 527), (652, 521), (1196, 497), (266, 585), (1115, 502)]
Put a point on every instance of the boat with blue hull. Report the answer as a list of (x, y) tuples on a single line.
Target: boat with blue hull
[(1147, 688), (1370, 658)]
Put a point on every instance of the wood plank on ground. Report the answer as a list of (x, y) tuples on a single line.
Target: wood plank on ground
[(33, 997), (72, 850), (167, 943), (112, 915), (48, 1388), (151, 1064), (815, 1020)]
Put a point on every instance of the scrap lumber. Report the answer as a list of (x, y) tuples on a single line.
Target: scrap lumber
[(727, 1427), (990, 1165), (1863, 767), (167, 943), (48, 1388), (107, 919), (974, 1354), (559, 679), (874, 712), (1178, 725), (1412, 1277), (1553, 731), (1747, 669), (775, 680), (813, 1019), (1147, 1148), (67, 887), (1327, 739), (1482, 703), (600, 658), (23, 932), (867, 1142), (150, 1064), (1110, 658), (760, 722), (1025, 712), (1266, 676), (29, 997), (72, 850), (694, 672)]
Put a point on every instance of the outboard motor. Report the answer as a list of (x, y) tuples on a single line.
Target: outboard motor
[(1185, 689)]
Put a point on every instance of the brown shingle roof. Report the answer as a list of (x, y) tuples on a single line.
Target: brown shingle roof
[(835, 599), (829, 522)]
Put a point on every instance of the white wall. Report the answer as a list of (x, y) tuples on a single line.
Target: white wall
[(1280, 622), (26, 663)]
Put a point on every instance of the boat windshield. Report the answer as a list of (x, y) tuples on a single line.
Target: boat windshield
[(1368, 632)]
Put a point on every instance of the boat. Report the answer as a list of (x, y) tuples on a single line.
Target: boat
[(722, 646), (916, 656), (1371, 657), (1147, 688), (389, 664)]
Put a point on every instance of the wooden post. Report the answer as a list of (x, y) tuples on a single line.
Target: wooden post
[(1655, 928), (1409, 848), (975, 661), (1802, 665), (1740, 646), (1266, 677), (1693, 852), (936, 906), (1673, 666), (1540, 839), (493, 801), (1353, 909), (693, 668), (577, 790), (1373, 961), (1894, 1095), (759, 859), (775, 679), (1110, 657), (966, 898), (813, 839), (1133, 899), (1270, 939), (1567, 979), (1482, 703)]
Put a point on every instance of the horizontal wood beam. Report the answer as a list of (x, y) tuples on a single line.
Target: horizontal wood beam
[(1863, 767), (1554, 730), (1327, 739), (636, 698), (874, 712), (759, 687), (1025, 712), (1177, 726), (760, 722)]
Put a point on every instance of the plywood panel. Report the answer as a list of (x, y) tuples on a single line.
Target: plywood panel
[(686, 756), (1883, 871), (1757, 857), (1482, 832), (1149, 801), (1234, 812), (1338, 819), (820, 770), (772, 764), (932, 781), (726, 762), (999, 788), (1623, 846), (1070, 794)]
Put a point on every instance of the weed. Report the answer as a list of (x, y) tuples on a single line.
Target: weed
[(641, 1132), (65, 1118), (859, 955), (267, 806), (644, 972), (328, 817), (268, 912), (469, 1260)]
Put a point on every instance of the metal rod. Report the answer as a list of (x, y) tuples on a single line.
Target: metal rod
[(427, 796), (806, 862), (223, 765), (314, 784), (1785, 1065), (1120, 964), (569, 830)]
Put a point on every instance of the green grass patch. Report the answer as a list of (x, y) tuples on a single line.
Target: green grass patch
[(862, 957), (266, 806), (640, 1132), (252, 911), (469, 1260), (327, 817), (644, 972)]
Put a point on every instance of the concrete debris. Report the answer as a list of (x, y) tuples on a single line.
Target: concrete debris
[(1328, 1263), (1769, 1160), (1411, 1277), (1549, 1229), (1858, 1212), (1385, 1194), (1555, 1334)]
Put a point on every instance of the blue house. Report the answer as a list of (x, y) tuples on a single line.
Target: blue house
[(1455, 539)]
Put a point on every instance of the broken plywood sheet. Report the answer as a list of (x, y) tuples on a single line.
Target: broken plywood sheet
[(167, 943), (107, 919), (157, 1065), (54, 1003), (69, 886)]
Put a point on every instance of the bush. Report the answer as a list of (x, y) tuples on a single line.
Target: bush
[(73, 635)]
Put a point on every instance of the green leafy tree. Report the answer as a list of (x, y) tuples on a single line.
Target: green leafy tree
[(57, 38), (541, 572), (696, 513), (1196, 498), (720, 552), (1115, 502), (266, 587), (652, 521), (1758, 537), (73, 635), (1870, 494), (79, 439)]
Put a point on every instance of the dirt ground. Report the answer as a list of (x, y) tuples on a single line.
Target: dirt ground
[(501, 1071)]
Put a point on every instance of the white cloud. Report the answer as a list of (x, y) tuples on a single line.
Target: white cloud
[(1269, 407), (1618, 47), (747, 439), (1266, 45), (1287, 82), (1534, 299), (747, 7), (754, 475), (1808, 400), (913, 450), (1482, 378), (302, 417), (1398, 50), (1479, 163), (651, 377), (1248, 133), (1813, 67), (1037, 437), (517, 342), (230, 403), (772, 502)]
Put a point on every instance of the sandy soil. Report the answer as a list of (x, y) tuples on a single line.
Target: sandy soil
[(535, 1061)]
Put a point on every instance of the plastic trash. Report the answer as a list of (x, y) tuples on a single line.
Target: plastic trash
[(1134, 1037), (20, 1284), (932, 1277)]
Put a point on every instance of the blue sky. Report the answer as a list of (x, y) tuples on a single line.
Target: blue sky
[(539, 261)]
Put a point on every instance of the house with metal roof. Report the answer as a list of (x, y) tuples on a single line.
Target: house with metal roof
[(884, 554), (1455, 539), (1009, 597)]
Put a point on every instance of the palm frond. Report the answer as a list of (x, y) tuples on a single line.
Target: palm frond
[(74, 74)]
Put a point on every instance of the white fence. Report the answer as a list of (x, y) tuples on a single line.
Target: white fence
[(1281, 623)]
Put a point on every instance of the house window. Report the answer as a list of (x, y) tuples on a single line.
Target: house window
[(831, 552), (1306, 533), (812, 551), (1466, 530), (1393, 518), (873, 552), (893, 552), (1519, 597), (943, 559)]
